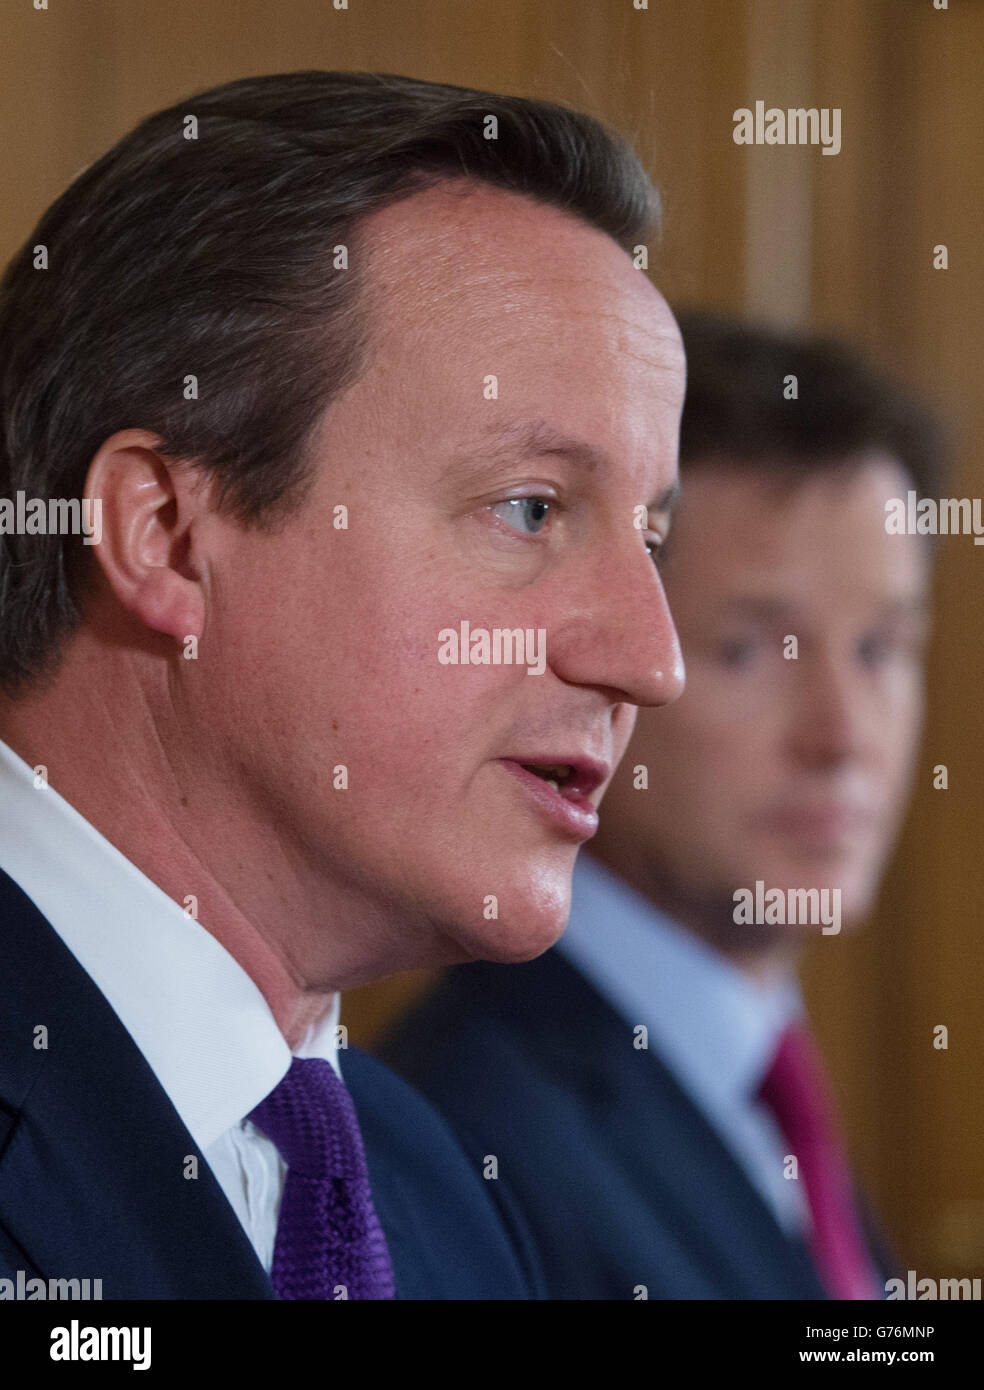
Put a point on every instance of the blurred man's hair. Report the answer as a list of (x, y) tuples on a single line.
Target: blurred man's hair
[(736, 412), (213, 257)]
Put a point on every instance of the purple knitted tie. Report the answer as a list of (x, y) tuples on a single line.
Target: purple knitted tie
[(328, 1233)]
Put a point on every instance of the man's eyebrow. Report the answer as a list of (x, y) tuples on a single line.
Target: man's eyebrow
[(771, 609), (766, 609), (501, 442), (521, 437)]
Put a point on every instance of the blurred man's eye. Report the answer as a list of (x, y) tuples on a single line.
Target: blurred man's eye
[(523, 513), (907, 644), (738, 651), (873, 650)]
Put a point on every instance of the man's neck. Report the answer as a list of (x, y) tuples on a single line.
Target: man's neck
[(161, 815)]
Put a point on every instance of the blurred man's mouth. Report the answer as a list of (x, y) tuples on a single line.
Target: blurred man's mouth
[(560, 789), (826, 825)]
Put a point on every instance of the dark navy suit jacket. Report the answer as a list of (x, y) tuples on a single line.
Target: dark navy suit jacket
[(622, 1179), (93, 1155)]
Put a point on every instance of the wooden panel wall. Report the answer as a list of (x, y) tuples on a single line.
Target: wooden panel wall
[(910, 76)]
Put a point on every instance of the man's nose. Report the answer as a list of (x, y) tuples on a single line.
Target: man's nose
[(829, 722), (619, 633)]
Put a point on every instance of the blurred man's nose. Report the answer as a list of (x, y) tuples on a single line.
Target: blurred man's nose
[(619, 633), (831, 713)]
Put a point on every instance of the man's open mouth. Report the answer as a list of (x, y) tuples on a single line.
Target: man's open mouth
[(556, 775), (573, 777), (567, 804)]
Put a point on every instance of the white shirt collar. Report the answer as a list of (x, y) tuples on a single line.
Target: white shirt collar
[(201, 1023), (715, 1026)]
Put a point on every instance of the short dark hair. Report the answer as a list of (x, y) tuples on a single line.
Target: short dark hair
[(212, 257), (736, 413)]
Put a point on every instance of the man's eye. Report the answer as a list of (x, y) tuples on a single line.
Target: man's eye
[(523, 513), (655, 550), (737, 652), (873, 650)]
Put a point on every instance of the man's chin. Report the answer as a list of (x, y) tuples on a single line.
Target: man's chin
[(520, 931), (836, 895), (508, 953)]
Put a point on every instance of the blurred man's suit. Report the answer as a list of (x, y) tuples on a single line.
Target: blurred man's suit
[(110, 1151), (677, 1174)]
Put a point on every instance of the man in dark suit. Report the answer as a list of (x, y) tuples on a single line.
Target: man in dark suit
[(326, 422), (650, 1086)]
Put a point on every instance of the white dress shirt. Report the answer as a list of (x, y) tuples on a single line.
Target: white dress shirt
[(202, 1024), (709, 1022)]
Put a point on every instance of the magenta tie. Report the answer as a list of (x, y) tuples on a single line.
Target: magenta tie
[(796, 1091), (329, 1239)]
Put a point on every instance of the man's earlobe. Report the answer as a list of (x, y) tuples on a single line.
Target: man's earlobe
[(167, 603), (148, 509)]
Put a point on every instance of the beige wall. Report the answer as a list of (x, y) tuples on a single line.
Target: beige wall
[(843, 243)]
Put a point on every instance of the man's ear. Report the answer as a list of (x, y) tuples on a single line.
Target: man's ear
[(149, 508)]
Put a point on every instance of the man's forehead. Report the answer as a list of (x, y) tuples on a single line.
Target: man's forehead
[(461, 242), (760, 538), (792, 482), (538, 311), (794, 583)]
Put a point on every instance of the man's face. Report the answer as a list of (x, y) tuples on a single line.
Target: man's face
[(322, 644), (794, 772)]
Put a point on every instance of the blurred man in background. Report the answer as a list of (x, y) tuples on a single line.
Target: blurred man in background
[(650, 1086)]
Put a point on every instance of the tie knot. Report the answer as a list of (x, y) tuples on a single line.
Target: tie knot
[(310, 1117)]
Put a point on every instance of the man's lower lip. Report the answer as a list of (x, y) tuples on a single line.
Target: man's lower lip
[(573, 813)]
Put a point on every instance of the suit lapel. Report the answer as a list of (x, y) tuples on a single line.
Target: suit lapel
[(96, 1167), (671, 1152), (729, 1225)]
